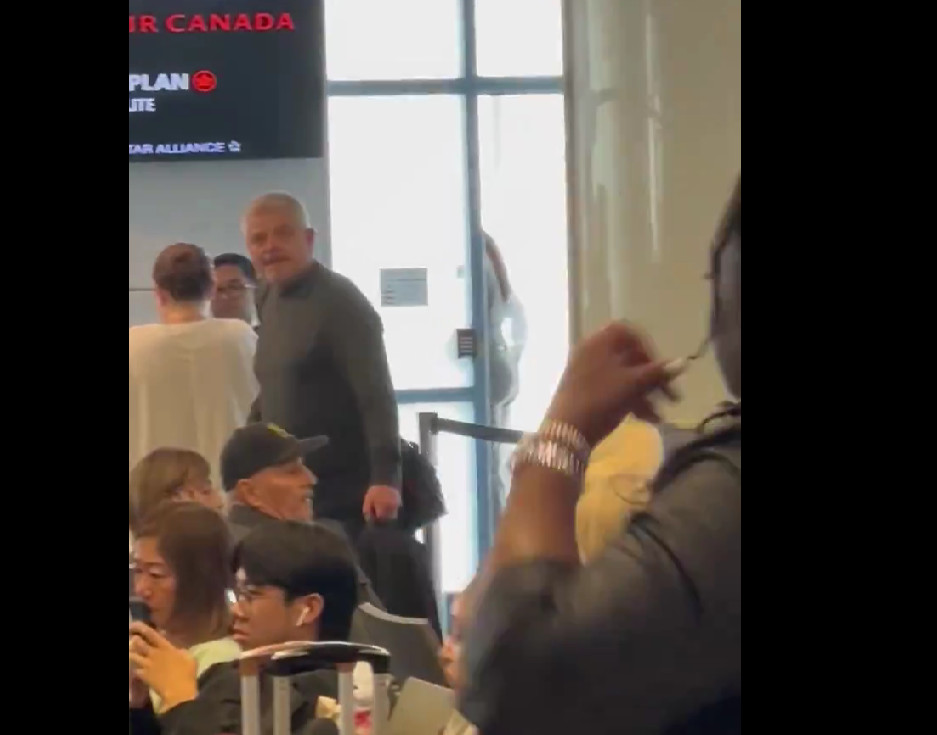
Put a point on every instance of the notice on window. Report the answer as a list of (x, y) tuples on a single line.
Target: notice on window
[(404, 287)]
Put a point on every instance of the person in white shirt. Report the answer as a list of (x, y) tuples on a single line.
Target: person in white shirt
[(507, 337), (191, 376)]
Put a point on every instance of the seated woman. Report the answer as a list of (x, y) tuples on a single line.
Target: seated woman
[(170, 474), (182, 572), (295, 582)]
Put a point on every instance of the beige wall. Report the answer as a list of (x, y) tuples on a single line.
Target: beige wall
[(201, 202), (655, 117)]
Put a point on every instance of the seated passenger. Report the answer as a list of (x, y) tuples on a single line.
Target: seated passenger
[(295, 581), (170, 474), (181, 571), (263, 472)]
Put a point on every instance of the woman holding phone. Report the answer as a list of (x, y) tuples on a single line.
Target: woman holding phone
[(181, 573)]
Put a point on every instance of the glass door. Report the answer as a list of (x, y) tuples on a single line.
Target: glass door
[(441, 125)]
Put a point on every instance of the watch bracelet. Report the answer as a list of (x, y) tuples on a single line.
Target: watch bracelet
[(550, 454), (568, 434)]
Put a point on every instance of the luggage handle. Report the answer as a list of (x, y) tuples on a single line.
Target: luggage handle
[(249, 666), (343, 656), (283, 660), (299, 659)]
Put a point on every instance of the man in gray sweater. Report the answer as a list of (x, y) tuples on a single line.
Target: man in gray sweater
[(322, 366)]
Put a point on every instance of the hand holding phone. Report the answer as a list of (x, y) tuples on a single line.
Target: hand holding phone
[(140, 612)]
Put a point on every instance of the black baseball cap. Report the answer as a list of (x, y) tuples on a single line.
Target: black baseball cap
[(256, 447)]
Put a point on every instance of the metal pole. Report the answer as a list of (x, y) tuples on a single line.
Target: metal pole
[(281, 705), (485, 514)]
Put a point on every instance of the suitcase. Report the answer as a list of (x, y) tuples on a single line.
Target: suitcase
[(284, 660)]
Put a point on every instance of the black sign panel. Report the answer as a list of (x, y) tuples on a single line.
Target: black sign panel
[(223, 79)]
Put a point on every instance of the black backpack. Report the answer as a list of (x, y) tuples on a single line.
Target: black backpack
[(420, 491)]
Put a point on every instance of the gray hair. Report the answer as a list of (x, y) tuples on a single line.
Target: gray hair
[(279, 200)]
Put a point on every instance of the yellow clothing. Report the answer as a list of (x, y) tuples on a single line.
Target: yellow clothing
[(617, 483)]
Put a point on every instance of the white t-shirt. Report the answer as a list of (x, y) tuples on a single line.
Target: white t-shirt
[(191, 386)]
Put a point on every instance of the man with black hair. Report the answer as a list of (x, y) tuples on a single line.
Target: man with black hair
[(235, 283), (282, 596), (295, 581)]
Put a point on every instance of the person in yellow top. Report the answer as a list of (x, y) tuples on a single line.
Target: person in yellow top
[(617, 483)]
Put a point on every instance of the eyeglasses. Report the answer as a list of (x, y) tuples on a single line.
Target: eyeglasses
[(233, 289), (243, 595)]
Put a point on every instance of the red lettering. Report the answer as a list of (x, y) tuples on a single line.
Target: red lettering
[(143, 24), (175, 23), (217, 22)]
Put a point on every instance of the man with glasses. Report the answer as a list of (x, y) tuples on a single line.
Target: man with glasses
[(295, 582), (235, 282)]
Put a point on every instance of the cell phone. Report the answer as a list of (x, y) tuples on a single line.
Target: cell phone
[(140, 611)]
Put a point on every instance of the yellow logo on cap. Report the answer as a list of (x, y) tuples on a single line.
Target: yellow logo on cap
[(279, 431)]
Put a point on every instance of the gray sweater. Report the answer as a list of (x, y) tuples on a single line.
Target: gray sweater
[(645, 639), (322, 369)]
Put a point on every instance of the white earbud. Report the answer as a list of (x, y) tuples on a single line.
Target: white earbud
[(302, 616)]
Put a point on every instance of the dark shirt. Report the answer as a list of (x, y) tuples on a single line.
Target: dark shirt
[(640, 640), (217, 707), (322, 369)]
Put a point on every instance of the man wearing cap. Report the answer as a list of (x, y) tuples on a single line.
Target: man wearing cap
[(263, 471)]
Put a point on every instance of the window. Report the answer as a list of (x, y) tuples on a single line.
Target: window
[(398, 201), (518, 38), (379, 40), (405, 167), (523, 196)]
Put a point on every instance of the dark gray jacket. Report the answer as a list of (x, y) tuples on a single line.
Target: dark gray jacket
[(646, 639), (217, 708), (323, 369)]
